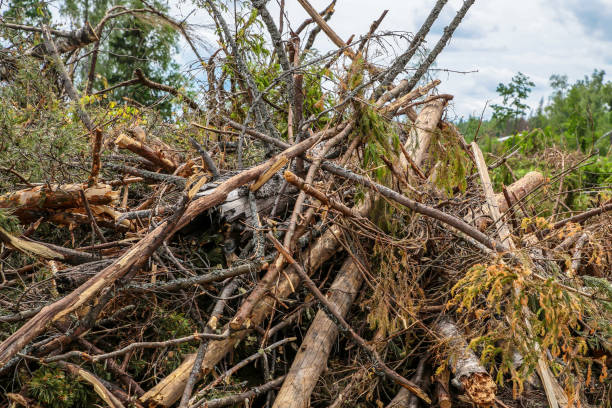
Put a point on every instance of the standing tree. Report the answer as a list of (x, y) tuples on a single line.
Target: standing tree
[(513, 107)]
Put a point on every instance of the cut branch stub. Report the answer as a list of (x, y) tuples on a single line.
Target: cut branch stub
[(466, 367)]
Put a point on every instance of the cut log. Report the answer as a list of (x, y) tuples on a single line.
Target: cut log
[(466, 367), (28, 204), (312, 356), (517, 191)]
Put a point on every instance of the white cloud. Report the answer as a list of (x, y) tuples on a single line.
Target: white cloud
[(497, 38)]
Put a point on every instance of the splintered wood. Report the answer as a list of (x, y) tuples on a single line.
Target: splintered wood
[(294, 231)]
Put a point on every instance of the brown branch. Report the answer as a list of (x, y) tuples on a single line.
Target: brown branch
[(134, 346), (92, 220), (172, 91), (319, 195), (95, 157)]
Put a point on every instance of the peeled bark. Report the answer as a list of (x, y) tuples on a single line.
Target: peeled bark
[(312, 356), (97, 384), (466, 367), (28, 204), (46, 251), (154, 156)]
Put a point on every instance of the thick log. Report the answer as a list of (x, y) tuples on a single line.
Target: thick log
[(28, 204), (466, 367), (312, 356), (422, 133), (517, 191)]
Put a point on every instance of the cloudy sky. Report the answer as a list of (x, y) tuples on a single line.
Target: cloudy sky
[(497, 39)]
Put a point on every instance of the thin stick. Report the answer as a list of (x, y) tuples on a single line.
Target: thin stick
[(92, 220), (228, 373)]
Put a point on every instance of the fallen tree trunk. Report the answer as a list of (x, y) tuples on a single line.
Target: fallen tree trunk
[(312, 355), (28, 204), (466, 367)]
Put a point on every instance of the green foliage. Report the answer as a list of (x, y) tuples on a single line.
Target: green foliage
[(582, 112), (514, 95), (380, 139), (54, 388), (38, 153), (9, 222), (452, 168), (136, 41), (172, 325)]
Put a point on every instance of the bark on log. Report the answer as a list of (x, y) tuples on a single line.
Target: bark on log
[(141, 149), (312, 356), (517, 191), (169, 390), (466, 367), (422, 133), (28, 204)]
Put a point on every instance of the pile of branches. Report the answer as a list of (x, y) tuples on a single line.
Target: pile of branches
[(285, 257)]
